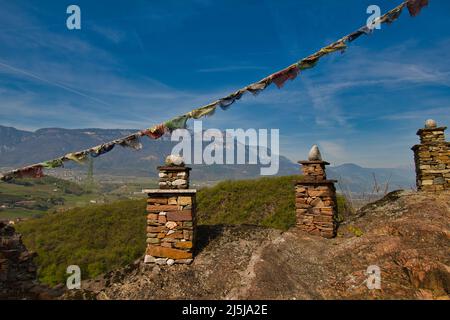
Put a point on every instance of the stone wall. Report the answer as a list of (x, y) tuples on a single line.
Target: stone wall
[(432, 159), (17, 270), (316, 205), (174, 177)]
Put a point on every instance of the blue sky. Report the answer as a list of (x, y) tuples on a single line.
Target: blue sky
[(137, 63)]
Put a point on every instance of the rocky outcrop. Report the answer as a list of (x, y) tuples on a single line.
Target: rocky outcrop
[(406, 235), (17, 270)]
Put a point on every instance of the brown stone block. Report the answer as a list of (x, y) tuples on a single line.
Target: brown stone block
[(160, 208), (175, 235), (301, 200), (152, 216), (157, 200), (322, 219), (184, 245), (184, 201), (162, 219), (155, 229), (317, 202), (327, 213), (171, 240), (161, 235), (159, 251), (319, 193), (184, 215)]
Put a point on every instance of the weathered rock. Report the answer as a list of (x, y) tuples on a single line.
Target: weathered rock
[(314, 154), (168, 252), (184, 245), (179, 182), (170, 262), (171, 225), (149, 259), (184, 201), (430, 124), (17, 271), (174, 160)]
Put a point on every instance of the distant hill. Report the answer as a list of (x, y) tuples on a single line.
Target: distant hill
[(357, 179), (18, 148)]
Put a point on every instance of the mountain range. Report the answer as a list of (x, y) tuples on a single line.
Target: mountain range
[(19, 148)]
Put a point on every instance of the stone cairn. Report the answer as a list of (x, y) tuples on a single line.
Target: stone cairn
[(171, 216), (432, 158), (316, 205)]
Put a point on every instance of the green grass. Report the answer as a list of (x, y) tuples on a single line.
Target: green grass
[(100, 238), (268, 202), (14, 213), (52, 194), (97, 238), (47, 193)]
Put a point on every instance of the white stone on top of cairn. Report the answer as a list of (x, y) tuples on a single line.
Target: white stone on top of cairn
[(314, 154), (430, 124), (174, 160)]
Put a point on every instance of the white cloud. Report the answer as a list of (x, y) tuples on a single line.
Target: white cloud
[(333, 151)]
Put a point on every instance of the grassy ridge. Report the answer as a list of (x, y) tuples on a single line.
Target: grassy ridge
[(100, 238), (268, 202), (97, 238)]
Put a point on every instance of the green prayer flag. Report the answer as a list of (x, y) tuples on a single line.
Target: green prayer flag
[(52, 164), (204, 111), (177, 123)]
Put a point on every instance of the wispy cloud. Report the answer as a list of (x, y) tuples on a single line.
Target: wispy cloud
[(333, 150), (231, 68)]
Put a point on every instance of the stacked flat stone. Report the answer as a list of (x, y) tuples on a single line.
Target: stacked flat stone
[(315, 200), (170, 222), (314, 170), (174, 177), (432, 159), (17, 270)]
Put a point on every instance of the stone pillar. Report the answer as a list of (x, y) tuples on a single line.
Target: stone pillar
[(316, 205), (432, 159), (171, 218)]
